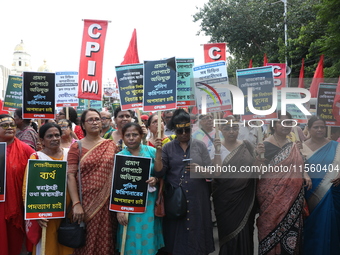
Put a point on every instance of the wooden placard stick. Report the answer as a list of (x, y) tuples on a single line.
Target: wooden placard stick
[(260, 138), (43, 241), (122, 250)]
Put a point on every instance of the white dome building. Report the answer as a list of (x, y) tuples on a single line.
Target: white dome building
[(44, 67), (21, 59)]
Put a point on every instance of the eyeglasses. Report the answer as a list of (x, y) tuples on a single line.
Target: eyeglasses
[(235, 128), (63, 127), (92, 120), (61, 113), (180, 131), (105, 118), (7, 125), (319, 127), (50, 136)]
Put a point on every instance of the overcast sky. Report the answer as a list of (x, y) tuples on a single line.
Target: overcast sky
[(53, 30)]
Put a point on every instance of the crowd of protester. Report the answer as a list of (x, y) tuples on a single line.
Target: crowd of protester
[(295, 211)]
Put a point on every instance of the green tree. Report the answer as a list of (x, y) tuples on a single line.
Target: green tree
[(254, 27)]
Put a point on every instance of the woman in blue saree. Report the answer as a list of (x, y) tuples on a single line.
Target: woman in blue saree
[(144, 230), (322, 226)]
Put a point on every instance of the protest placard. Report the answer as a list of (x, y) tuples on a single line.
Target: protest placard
[(130, 86), (13, 98), (3, 171), (38, 95), (66, 90), (324, 105), (160, 85), (45, 189), (210, 80), (296, 113), (261, 81), (129, 187), (185, 84)]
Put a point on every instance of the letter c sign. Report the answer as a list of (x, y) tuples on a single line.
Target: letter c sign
[(214, 52)]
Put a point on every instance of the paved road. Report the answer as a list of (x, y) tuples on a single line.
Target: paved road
[(217, 246)]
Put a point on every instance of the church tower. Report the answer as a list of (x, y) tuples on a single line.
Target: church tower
[(21, 60)]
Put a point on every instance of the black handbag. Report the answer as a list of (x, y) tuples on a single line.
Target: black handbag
[(72, 234), (175, 202)]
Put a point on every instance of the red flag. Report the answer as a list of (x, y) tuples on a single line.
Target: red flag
[(317, 79), (91, 59), (302, 75), (250, 63), (265, 60), (131, 55), (1, 108), (214, 52), (336, 104)]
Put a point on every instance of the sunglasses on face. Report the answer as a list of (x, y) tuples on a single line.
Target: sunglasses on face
[(7, 125), (180, 131)]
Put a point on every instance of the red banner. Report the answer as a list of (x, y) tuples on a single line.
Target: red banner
[(214, 52), (91, 59)]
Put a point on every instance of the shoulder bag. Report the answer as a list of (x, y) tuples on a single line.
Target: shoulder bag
[(175, 201), (72, 234)]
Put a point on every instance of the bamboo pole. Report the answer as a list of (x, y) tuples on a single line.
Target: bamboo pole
[(260, 138), (122, 251), (43, 241)]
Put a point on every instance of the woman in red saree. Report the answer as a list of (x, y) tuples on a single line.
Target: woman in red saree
[(12, 227), (280, 193), (96, 168)]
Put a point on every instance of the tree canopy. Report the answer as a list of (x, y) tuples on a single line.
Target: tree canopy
[(254, 27)]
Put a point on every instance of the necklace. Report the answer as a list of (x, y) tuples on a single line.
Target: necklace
[(278, 142)]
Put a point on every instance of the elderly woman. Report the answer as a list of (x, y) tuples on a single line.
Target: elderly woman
[(12, 227), (50, 137), (192, 234), (96, 167), (322, 227), (280, 193), (66, 137), (144, 234), (234, 194)]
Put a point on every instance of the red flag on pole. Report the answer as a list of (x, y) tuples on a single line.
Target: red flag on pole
[(131, 55), (250, 63), (265, 60), (302, 75), (336, 104), (317, 79)]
